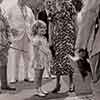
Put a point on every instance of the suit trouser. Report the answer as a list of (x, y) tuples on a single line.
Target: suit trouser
[(22, 44), (3, 75), (95, 61)]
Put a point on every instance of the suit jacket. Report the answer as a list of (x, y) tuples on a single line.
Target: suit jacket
[(43, 16), (87, 26), (4, 38), (19, 22)]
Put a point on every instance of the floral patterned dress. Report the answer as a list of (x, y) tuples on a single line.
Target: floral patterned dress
[(42, 57), (63, 37)]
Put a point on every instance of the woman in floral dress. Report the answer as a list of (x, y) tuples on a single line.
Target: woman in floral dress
[(63, 15)]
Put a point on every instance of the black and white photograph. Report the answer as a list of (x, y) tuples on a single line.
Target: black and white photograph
[(49, 50)]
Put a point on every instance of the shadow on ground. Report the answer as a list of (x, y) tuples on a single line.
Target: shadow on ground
[(49, 96), (20, 86)]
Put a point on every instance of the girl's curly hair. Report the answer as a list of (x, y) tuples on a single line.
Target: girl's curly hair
[(38, 24)]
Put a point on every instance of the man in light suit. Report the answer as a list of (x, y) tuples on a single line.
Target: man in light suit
[(21, 18), (89, 37)]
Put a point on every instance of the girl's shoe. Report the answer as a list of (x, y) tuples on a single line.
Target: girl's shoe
[(43, 91), (52, 77), (56, 89), (39, 93)]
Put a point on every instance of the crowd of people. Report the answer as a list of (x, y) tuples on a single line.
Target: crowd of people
[(53, 34)]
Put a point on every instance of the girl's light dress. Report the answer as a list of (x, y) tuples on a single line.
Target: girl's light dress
[(42, 54)]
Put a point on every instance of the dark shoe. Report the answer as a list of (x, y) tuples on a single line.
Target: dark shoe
[(56, 89), (72, 89), (27, 80), (8, 88)]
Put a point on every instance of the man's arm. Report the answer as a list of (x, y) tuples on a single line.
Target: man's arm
[(31, 21), (86, 27)]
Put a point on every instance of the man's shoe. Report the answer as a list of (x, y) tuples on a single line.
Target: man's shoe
[(8, 88), (13, 82), (27, 80)]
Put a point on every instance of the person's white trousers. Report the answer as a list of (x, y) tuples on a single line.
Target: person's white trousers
[(18, 68)]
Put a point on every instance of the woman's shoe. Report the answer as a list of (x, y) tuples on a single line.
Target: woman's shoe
[(72, 88), (28, 80), (56, 89)]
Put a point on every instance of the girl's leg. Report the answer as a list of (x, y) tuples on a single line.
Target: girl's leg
[(57, 84), (38, 82), (41, 76)]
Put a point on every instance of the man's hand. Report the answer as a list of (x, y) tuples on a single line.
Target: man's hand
[(8, 45), (14, 32)]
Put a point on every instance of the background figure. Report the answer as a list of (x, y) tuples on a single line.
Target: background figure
[(89, 34), (35, 5), (20, 18), (4, 40), (63, 16), (42, 15)]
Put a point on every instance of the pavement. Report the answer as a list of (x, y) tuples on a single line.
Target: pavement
[(25, 91)]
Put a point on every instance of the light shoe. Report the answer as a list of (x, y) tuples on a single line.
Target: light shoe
[(52, 76), (13, 82), (43, 91), (39, 93)]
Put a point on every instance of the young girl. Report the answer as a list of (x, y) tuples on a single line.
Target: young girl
[(82, 62), (42, 54)]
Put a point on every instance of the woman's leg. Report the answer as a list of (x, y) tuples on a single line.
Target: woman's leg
[(71, 84), (57, 84)]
